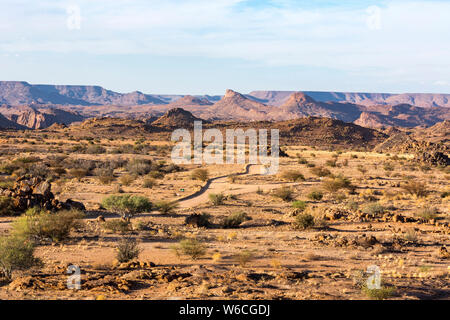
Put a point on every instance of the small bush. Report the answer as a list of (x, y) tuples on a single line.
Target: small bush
[(7, 206), (199, 220), (337, 183), (104, 175), (304, 221), (149, 183), (244, 257), (292, 175), (200, 174), (416, 188), (235, 219), (155, 174), (139, 167), (127, 179), (301, 205), (216, 199), (40, 224), (320, 171), (284, 193), (166, 207), (127, 205), (118, 225), (315, 195), (379, 294), (16, 253), (373, 208), (426, 214), (127, 250), (190, 247)]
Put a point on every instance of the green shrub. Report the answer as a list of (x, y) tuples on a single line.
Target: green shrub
[(315, 195), (127, 205), (301, 205), (379, 294), (284, 193), (304, 221), (190, 247), (127, 250), (16, 253), (40, 224), (167, 207), (235, 219), (200, 174), (216, 199), (6, 206)]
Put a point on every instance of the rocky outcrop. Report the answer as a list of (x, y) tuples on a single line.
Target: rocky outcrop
[(425, 152), (38, 117), (28, 192), (176, 118)]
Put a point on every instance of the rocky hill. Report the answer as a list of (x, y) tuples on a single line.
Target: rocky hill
[(235, 106), (323, 133), (176, 118), (301, 105)]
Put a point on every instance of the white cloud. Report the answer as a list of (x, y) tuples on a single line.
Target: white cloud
[(409, 40)]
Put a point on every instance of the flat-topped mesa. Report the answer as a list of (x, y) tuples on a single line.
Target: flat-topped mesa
[(191, 100)]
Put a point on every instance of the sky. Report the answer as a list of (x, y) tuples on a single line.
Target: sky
[(208, 46)]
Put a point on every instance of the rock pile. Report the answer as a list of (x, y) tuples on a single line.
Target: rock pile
[(425, 152), (434, 158), (28, 192)]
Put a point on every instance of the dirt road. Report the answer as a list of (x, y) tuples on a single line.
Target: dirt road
[(223, 185)]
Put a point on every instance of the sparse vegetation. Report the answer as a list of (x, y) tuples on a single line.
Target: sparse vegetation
[(127, 250), (200, 174), (235, 219), (16, 253), (190, 247), (127, 205), (284, 193), (416, 188), (216, 199), (304, 221)]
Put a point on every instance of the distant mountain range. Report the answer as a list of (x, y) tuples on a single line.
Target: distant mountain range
[(40, 106), (21, 92)]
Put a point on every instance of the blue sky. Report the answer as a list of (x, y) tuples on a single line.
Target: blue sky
[(207, 46)]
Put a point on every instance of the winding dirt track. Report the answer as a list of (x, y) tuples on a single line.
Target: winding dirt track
[(223, 185)]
